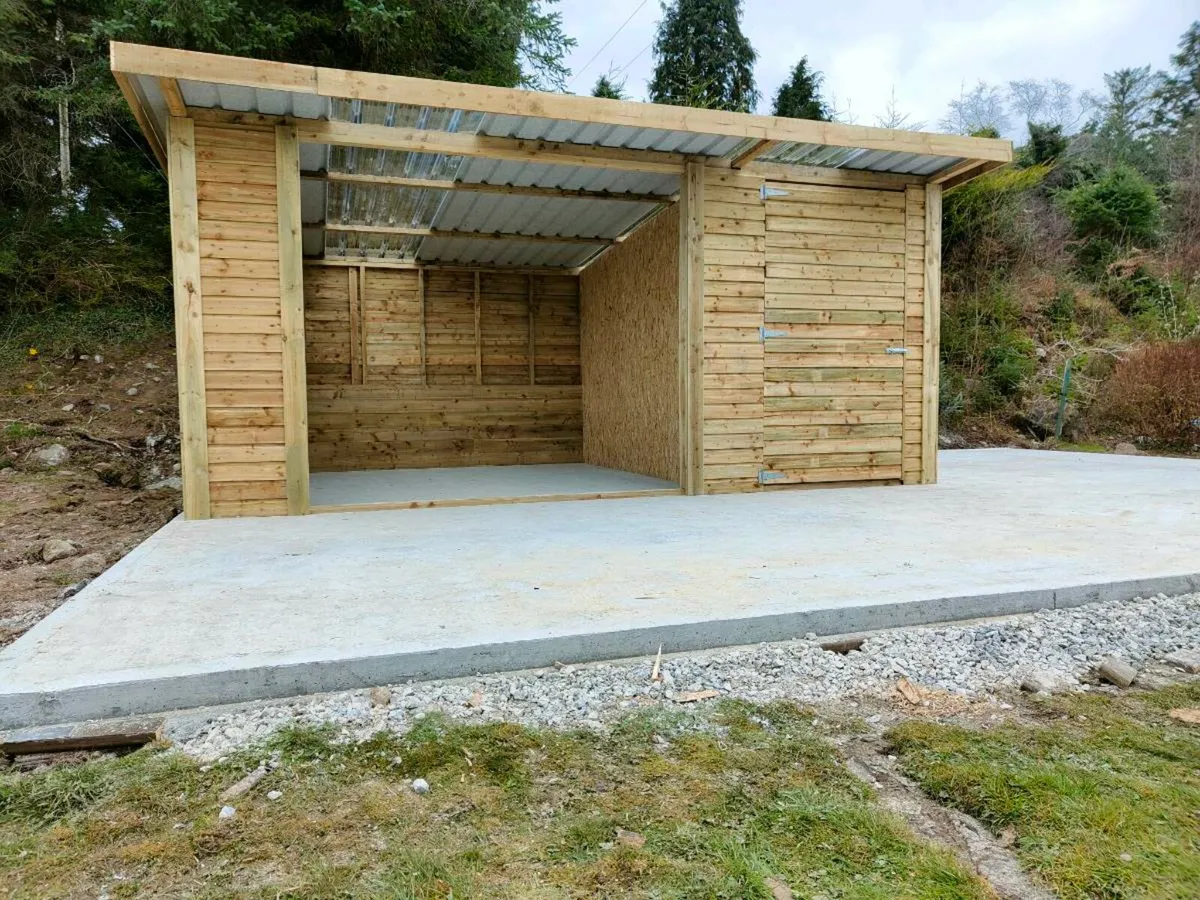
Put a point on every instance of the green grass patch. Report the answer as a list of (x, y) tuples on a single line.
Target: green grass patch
[(1104, 798), (739, 796), (60, 331)]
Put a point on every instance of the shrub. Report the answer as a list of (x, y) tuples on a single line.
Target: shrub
[(1120, 208), (1155, 393), (985, 349)]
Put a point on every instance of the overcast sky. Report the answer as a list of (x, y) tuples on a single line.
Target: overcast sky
[(926, 50)]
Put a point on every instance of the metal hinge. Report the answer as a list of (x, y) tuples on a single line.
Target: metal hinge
[(765, 333), (765, 192), (766, 476), (896, 350)]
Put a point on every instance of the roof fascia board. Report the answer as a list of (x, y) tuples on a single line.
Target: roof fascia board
[(219, 69)]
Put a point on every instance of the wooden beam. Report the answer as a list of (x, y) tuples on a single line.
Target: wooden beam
[(424, 338), (363, 323), (532, 331), (969, 174), (519, 190), (751, 154), (822, 175), (930, 348), (478, 334), (953, 171), (473, 235), (355, 362), (134, 99), (374, 262), (690, 350), (173, 96), (217, 69), (189, 322), (416, 140), (291, 299)]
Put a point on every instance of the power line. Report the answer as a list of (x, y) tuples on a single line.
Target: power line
[(609, 41), (635, 59)]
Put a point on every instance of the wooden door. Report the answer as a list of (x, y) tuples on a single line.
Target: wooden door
[(833, 329)]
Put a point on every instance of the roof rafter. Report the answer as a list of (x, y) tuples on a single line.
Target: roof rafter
[(434, 184), (406, 231)]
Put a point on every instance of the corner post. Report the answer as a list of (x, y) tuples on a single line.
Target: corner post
[(691, 328), (932, 333), (189, 320), (291, 302)]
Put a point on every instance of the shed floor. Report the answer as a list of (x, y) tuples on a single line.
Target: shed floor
[(237, 609), (477, 484)]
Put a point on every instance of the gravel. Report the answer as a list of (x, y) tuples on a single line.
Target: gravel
[(1056, 646)]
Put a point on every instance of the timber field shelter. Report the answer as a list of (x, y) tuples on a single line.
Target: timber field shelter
[(383, 283)]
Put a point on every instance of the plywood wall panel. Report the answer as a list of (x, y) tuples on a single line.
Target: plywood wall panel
[(629, 305)]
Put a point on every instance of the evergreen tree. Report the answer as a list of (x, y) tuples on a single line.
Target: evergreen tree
[(702, 58), (800, 96), (609, 88), (1178, 94)]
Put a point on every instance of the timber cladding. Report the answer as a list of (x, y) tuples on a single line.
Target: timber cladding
[(630, 315), (418, 368), (239, 262)]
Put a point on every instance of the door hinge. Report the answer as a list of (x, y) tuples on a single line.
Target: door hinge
[(896, 350), (764, 332), (766, 192), (766, 476)]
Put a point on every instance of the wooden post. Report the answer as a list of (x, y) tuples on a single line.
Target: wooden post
[(189, 322), (932, 332), (532, 339), (355, 345), (421, 304), (363, 323), (291, 300), (478, 334), (690, 351)]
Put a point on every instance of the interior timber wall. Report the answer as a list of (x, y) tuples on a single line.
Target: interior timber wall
[(629, 301), (422, 368), (237, 211), (740, 248)]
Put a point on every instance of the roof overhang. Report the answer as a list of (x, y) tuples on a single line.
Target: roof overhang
[(408, 169)]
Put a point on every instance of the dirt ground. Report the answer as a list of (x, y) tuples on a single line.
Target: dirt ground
[(116, 416)]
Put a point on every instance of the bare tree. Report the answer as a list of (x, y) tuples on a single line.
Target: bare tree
[(1050, 102), (893, 118), (980, 109)]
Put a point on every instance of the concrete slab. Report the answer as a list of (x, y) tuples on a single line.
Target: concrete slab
[(439, 486), (238, 609)]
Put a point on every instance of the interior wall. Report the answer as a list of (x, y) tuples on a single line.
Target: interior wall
[(426, 368), (629, 302)]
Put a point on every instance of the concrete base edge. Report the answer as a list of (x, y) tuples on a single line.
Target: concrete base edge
[(266, 682)]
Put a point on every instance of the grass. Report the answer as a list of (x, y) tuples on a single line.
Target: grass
[(89, 329), (1104, 797), (750, 794)]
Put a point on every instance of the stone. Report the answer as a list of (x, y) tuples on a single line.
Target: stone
[(274, 795), (420, 786), (56, 548), (53, 455), (91, 563), (1187, 660), (227, 812), (131, 392), (1126, 449), (72, 589), (381, 696), (170, 483), (1044, 681), (1116, 671)]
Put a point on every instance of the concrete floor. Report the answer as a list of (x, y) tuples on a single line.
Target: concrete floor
[(237, 609), (469, 483)]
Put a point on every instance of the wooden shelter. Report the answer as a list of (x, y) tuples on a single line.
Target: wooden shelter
[(388, 274)]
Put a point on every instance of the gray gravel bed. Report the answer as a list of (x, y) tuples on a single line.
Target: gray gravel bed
[(970, 660)]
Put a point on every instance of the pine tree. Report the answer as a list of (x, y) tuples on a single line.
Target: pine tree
[(702, 58), (609, 88), (800, 96), (1178, 94)]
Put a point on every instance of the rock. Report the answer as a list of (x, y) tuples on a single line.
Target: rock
[(103, 407), (53, 455), (630, 838), (68, 407), (1185, 714), (274, 795), (779, 890), (381, 696), (420, 786), (91, 563), (1188, 660), (55, 549), (1044, 681), (1126, 449), (1126, 857), (170, 483), (227, 812), (244, 785), (72, 589), (131, 392), (1116, 671)]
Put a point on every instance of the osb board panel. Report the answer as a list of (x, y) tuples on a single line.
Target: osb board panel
[(629, 302), (382, 426), (459, 344), (914, 328), (835, 304), (243, 349), (734, 291)]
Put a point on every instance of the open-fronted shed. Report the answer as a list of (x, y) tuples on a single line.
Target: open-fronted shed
[(379, 279)]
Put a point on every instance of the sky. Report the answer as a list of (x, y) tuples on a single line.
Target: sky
[(925, 51)]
